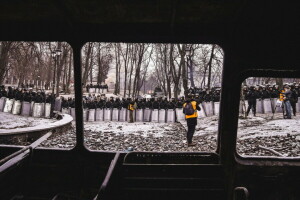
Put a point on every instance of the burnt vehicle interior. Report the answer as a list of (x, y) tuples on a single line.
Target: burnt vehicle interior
[(259, 38)]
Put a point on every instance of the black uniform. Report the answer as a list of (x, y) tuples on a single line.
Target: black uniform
[(251, 97)]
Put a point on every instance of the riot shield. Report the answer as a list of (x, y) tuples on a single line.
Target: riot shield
[(216, 108), (201, 113), (16, 110), (2, 103), (99, 114), (260, 106), (65, 111), (73, 113), (139, 115), (107, 114), (26, 107), (91, 115), (180, 116), (122, 115), (115, 114), (208, 108), (267, 106), (162, 116), (85, 115), (147, 115), (47, 110), (170, 116), (154, 115), (37, 110), (8, 105)]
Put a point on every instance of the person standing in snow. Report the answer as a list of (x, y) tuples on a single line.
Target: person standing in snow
[(287, 96), (251, 97), (131, 107), (190, 108)]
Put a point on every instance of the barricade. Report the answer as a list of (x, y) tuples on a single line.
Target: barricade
[(122, 115), (73, 113), (267, 103), (97, 90), (170, 116), (147, 115), (115, 114), (57, 105), (259, 106), (154, 115), (16, 110), (201, 113), (37, 110), (208, 108), (107, 114), (162, 116), (91, 115), (26, 107), (47, 110), (216, 108), (2, 103), (8, 105), (85, 115), (139, 115), (179, 115)]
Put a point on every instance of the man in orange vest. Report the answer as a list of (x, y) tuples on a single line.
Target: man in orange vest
[(190, 108), (131, 108)]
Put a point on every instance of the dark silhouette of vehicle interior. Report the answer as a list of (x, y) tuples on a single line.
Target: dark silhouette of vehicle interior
[(259, 38)]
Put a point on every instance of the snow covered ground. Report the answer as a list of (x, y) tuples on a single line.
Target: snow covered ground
[(10, 121), (281, 135), (141, 136)]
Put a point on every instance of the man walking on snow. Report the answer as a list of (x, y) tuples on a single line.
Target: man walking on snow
[(190, 108)]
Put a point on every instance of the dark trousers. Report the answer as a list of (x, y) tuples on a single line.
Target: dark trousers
[(293, 104), (131, 115), (287, 106), (251, 105), (191, 124)]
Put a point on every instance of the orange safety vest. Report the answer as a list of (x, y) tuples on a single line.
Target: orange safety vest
[(130, 107), (281, 96), (194, 104)]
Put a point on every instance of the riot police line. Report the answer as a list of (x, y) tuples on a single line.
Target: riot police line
[(20, 101), (146, 110), (266, 99)]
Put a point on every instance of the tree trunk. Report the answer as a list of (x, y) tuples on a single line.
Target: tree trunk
[(209, 66)]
